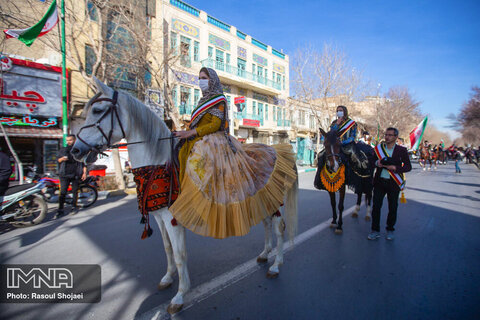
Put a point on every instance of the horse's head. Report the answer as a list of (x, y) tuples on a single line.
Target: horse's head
[(104, 125), (332, 146)]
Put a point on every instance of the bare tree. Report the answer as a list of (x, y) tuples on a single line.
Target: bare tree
[(468, 119), (324, 79)]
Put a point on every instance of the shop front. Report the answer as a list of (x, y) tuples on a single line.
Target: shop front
[(31, 112)]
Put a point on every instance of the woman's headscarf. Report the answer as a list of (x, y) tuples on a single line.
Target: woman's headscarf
[(214, 89)]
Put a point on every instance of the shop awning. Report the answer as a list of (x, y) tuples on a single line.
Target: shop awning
[(48, 133)]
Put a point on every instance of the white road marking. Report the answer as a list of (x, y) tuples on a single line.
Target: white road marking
[(225, 280)]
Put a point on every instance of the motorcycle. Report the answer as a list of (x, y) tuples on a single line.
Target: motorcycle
[(23, 205), (87, 190)]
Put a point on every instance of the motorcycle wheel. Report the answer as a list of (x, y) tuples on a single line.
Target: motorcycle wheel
[(35, 210), (87, 195)]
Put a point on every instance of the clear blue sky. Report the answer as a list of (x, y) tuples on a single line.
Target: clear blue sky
[(432, 47)]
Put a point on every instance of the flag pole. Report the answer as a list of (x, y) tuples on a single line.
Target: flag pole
[(64, 76)]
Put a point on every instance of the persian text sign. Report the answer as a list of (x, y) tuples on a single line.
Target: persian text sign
[(239, 100), (30, 88), (28, 121), (50, 283), (251, 123)]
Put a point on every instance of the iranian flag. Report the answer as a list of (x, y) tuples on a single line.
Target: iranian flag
[(417, 134), (42, 27)]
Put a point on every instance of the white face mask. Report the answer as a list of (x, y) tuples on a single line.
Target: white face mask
[(340, 114), (203, 83)]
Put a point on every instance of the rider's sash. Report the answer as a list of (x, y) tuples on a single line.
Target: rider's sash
[(344, 127), (206, 105), (381, 152)]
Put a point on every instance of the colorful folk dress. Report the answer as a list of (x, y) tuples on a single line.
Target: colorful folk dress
[(227, 187)]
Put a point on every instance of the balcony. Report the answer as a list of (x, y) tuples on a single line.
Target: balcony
[(284, 123), (238, 76), (185, 109)]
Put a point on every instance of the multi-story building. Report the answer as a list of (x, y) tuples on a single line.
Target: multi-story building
[(254, 75)]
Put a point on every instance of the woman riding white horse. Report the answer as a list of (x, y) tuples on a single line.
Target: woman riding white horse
[(258, 178)]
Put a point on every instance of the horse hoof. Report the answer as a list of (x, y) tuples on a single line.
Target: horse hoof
[(163, 286), (272, 275), (262, 260), (354, 215), (174, 308), (333, 225), (338, 231), (368, 218)]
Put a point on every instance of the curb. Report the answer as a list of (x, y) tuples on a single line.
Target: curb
[(116, 193)]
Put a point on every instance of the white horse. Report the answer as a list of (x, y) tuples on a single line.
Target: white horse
[(113, 116)]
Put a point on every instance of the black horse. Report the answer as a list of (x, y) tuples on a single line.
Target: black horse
[(364, 181), (335, 171)]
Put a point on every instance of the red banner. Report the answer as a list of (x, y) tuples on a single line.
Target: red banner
[(251, 123)]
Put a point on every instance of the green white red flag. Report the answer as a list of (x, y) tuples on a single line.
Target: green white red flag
[(42, 27), (417, 134)]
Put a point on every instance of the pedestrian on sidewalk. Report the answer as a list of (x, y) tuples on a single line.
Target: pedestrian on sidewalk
[(70, 172), (391, 162), (5, 172)]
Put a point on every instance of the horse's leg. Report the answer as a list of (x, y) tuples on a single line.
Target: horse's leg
[(357, 207), (167, 279), (176, 233), (278, 228), (368, 202), (334, 209), (263, 257), (340, 210)]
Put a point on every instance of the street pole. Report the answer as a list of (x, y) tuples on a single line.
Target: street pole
[(64, 77)]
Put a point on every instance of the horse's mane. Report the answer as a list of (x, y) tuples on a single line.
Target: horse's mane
[(147, 123)]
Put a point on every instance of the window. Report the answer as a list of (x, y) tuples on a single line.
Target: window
[(184, 100), (92, 11), (283, 82), (174, 95), (90, 59), (196, 51), (219, 60), (242, 65), (253, 69), (196, 96), (185, 59), (266, 111), (149, 28), (254, 108), (173, 42), (227, 62), (210, 53), (228, 100), (260, 74), (279, 78), (274, 113), (260, 112)]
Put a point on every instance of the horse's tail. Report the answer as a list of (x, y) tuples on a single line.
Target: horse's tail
[(291, 213)]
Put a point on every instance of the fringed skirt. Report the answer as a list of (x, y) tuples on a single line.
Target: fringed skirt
[(225, 193)]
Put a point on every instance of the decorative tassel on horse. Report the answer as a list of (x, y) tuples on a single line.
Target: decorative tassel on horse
[(334, 180), (155, 190)]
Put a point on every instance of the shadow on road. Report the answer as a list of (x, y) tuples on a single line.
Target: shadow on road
[(445, 194)]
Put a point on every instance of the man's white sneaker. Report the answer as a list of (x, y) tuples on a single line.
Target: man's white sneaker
[(390, 235), (374, 235)]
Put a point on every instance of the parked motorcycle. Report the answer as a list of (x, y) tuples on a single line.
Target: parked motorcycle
[(23, 205), (87, 190)]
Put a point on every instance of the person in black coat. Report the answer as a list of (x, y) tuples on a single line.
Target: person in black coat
[(5, 172), (70, 171), (391, 161)]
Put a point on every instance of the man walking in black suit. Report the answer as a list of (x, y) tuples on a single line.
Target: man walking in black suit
[(391, 162)]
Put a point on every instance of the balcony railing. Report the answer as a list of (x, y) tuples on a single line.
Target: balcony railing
[(185, 109), (283, 123), (217, 65)]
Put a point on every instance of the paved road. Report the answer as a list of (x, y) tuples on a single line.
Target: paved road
[(430, 271)]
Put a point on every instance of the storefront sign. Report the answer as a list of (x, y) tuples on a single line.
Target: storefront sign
[(219, 42), (28, 121), (251, 123), (30, 88), (239, 100), (181, 26)]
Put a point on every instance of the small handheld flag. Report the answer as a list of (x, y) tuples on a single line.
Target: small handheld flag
[(417, 134)]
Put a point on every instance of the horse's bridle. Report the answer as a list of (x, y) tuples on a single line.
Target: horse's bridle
[(113, 111)]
